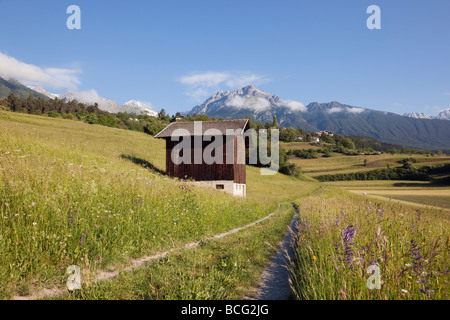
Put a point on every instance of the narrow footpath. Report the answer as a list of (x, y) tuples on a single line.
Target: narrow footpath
[(274, 283)]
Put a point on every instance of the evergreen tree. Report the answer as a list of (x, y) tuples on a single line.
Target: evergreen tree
[(12, 101)]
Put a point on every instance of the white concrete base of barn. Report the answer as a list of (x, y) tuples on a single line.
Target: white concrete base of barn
[(236, 189)]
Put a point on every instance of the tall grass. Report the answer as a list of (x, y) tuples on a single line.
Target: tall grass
[(87, 195), (67, 196), (340, 236)]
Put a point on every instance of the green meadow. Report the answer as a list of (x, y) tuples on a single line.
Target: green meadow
[(93, 196), (344, 238), (97, 197)]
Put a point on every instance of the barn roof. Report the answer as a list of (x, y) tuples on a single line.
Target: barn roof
[(221, 125)]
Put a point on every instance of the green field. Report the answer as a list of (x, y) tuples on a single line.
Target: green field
[(339, 163), (97, 197)]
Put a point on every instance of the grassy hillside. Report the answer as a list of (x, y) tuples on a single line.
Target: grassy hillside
[(93, 196)]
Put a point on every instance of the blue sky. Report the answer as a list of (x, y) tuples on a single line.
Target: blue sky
[(175, 54)]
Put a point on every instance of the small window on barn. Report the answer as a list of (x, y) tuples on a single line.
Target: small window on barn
[(220, 186)]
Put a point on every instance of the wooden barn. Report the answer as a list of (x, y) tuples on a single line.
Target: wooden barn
[(227, 171)]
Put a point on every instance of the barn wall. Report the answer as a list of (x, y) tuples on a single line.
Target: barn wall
[(204, 172), (239, 160)]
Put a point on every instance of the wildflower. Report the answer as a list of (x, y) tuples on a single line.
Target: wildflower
[(404, 291), (415, 255), (7, 204), (349, 234), (70, 220), (34, 223), (83, 236), (33, 204)]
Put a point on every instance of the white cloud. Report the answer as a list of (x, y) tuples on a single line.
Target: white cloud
[(355, 110), (88, 96), (293, 105), (249, 102), (200, 85), (346, 109), (335, 109), (28, 74)]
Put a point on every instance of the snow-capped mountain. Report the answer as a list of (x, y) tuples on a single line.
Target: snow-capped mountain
[(417, 115), (333, 116), (134, 106), (92, 97), (42, 91), (443, 115), (251, 101)]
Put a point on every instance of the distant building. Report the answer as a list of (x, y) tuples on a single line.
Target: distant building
[(177, 118), (230, 177), (325, 132), (314, 140)]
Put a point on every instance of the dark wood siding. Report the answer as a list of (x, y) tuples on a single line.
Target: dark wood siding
[(239, 166), (206, 172)]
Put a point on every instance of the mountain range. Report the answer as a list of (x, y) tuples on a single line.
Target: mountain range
[(340, 118), (414, 130), (88, 97), (443, 115)]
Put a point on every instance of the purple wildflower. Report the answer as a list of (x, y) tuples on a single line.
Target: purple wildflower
[(415, 255), (83, 237), (349, 234), (70, 220)]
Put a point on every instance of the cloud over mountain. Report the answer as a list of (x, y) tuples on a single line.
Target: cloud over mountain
[(200, 85), (29, 74)]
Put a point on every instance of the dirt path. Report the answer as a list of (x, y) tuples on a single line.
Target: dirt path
[(274, 283), (133, 264)]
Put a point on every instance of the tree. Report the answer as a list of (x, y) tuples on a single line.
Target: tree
[(12, 101), (275, 122), (393, 151), (348, 143), (91, 118), (31, 104), (162, 114)]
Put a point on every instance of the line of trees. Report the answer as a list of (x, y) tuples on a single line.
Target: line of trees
[(439, 173), (91, 114)]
